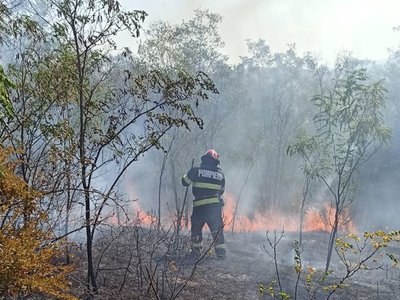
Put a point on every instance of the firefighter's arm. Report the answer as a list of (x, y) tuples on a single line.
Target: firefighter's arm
[(221, 191), (187, 178)]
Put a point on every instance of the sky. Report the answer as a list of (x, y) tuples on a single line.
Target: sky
[(324, 27)]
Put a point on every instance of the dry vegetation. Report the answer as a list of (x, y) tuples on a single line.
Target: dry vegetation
[(154, 271)]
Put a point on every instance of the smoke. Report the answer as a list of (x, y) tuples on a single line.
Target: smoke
[(247, 144), (325, 28), (377, 203)]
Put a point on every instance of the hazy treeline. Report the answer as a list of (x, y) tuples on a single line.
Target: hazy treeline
[(263, 103)]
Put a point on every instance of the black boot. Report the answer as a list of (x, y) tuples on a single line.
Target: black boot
[(221, 253)]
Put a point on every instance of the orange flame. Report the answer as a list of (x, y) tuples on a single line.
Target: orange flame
[(132, 213), (323, 220), (314, 220), (144, 219)]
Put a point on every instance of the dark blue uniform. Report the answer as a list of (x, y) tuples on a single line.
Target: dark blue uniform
[(208, 184)]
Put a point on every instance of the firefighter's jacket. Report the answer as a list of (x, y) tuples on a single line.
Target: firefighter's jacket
[(208, 184)]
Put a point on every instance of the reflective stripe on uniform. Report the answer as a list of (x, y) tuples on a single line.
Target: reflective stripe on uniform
[(205, 185), (197, 245), (186, 179), (219, 246), (205, 201)]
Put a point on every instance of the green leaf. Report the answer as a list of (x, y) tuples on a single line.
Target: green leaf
[(5, 85)]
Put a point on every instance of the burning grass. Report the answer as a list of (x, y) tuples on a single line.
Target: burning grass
[(315, 219)]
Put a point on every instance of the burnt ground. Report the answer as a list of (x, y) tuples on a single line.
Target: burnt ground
[(134, 265), (248, 272)]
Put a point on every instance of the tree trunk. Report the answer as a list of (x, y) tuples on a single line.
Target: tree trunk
[(303, 203), (332, 239), (159, 190), (92, 285), (240, 194)]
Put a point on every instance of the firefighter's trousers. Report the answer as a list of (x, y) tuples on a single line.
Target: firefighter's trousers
[(210, 214)]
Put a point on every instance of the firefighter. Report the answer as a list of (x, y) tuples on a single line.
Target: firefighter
[(208, 184)]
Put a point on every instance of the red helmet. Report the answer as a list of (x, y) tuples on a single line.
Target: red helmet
[(213, 154)]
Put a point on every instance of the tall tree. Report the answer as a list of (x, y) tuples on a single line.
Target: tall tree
[(117, 122), (276, 88), (190, 45), (86, 107), (349, 129)]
